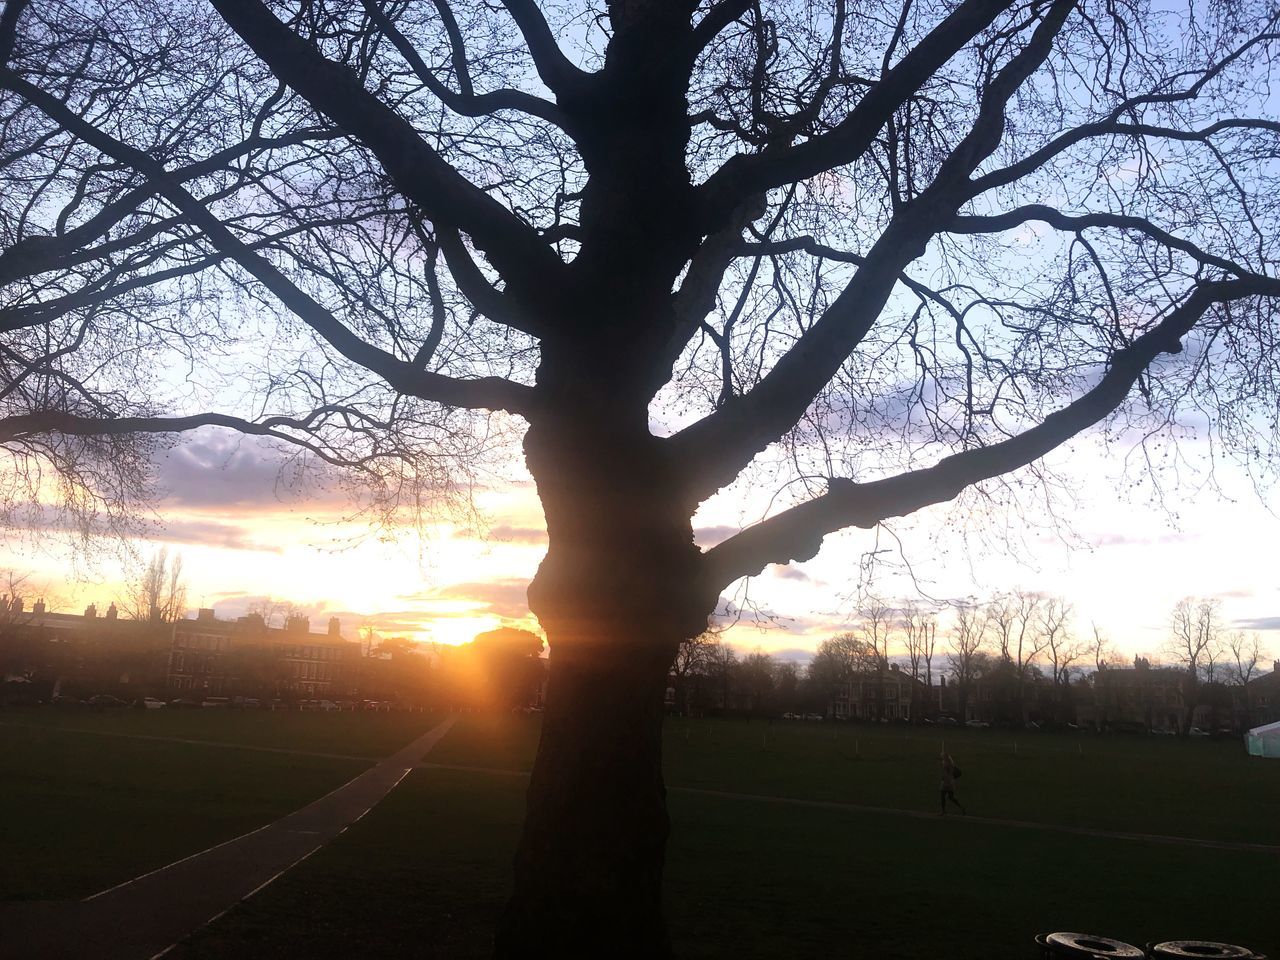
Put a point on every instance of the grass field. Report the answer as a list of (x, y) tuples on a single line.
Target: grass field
[(88, 802), (425, 873), (757, 879)]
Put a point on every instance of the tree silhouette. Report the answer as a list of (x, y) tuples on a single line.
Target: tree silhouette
[(869, 257)]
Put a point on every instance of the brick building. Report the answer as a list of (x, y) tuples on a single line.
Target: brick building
[(245, 657)]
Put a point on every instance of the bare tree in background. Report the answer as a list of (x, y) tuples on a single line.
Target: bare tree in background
[(844, 263), (967, 645), (1246, 654), (1061, 647), (157, 592), (1014, 619), (693, 657), (920, 627), (1195, 640), (875, 629), (1103, 650)]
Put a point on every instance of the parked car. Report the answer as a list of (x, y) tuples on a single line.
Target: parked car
[(105, 701), (184, 703), (813, 716), (216, 702), (149, 703), (947, 722), (1197, 732), (793, 716), (977, 724)]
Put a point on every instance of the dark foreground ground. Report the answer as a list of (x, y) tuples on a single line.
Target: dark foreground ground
[(425, 873)]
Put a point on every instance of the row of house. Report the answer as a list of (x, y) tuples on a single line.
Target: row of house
[(89, 653)]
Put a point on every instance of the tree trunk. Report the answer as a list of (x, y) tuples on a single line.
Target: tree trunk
[(588, 877), (617, 592)]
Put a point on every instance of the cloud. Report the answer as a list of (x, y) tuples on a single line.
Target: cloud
[(210, 533), (510, 534), (1259, 623), (784, 572), (1123, 540), (710, 536), (218, 471), (797, 655), (507, 597)]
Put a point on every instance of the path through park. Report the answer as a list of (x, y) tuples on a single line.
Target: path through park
[(144, 917)]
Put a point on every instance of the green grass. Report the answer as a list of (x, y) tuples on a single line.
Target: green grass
[(1205, 789), (356, 734), (426, 872), (747, 879), (83, 811)]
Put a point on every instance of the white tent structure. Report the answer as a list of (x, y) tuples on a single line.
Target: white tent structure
[(1264, 741)]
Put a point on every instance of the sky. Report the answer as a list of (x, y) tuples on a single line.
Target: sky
[(1123, 560)]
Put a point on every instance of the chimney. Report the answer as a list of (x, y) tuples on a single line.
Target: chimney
[(17, 605), (38, 607), (205, 613), (112, 612), (298, 624), (335, 627), (91, 611)]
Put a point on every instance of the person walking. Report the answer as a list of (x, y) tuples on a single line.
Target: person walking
[(947, 788)]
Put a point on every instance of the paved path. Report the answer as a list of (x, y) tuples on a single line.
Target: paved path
[(144, 917), (926, 815)]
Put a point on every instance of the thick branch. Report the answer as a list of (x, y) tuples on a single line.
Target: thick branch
[(717, 447), (21, 427), (748, 174), (997, 223), (486, 393), (561, 77), (421, 174), (467, 103), (797, 533)]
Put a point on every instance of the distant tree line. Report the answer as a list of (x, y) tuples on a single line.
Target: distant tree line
[(1023, 649)]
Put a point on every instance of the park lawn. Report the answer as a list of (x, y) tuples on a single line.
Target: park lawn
[(426, 872), (359, 734), (81, 812), (1202, 789)]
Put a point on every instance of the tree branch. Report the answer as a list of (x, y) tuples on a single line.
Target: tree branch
[(717, 447), (467, 103), (797, 533), (561, 77), (748, 174), (421, 174), (488, 392)]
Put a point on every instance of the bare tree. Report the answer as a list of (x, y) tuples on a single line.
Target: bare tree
[(759, 677), (1246, 654), (1014, 619), (157, 592), (1194, 643), (695, 245), (693, 657), (875, 628), (967, 642), (921, 630), (1059, 643), (1103, 650)]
